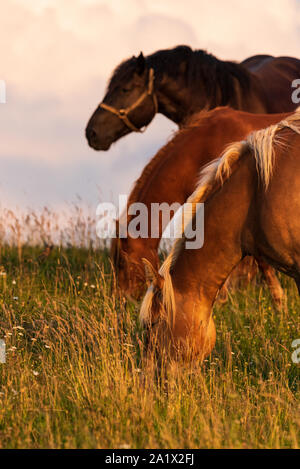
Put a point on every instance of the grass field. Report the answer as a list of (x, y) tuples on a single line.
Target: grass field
[(74, 376)]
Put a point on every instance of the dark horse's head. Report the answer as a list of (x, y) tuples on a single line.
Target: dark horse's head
[(129, 104)]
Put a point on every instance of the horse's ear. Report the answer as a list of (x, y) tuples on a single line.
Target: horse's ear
[(140, 64), (152, 275)]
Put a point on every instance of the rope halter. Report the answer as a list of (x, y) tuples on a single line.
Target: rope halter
[(123, 113)]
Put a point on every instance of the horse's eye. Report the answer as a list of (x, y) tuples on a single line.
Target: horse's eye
[(126, 90)]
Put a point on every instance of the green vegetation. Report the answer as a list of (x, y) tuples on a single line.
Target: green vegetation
[(75, 375)]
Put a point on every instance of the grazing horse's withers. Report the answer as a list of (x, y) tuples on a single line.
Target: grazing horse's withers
[(252, 203), (195, 145), (180, 82)]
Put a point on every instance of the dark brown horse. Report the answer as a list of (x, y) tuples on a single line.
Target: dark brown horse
[(252, 207), (180, 82), (171, 176)]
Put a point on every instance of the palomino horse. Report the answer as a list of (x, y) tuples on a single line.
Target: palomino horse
[(252, 204), (171, 176), (180, 82)]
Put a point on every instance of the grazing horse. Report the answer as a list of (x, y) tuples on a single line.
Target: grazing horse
[(252, 203), (166, 179), (180, 82)]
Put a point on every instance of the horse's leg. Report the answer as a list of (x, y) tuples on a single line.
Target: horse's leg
[(243, 273), (297, 281), (273, 283), (223, 293)]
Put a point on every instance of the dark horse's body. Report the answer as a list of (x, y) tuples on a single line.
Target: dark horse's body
[(186, 82)]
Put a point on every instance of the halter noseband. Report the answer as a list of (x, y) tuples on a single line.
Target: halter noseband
[(123, 113)]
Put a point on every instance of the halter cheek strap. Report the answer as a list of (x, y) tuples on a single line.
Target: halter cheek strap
[(123, 113)]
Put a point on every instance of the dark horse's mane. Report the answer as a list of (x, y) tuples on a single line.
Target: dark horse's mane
[(197, 67)]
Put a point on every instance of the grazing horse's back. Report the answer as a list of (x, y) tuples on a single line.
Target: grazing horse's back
[(278, 232)]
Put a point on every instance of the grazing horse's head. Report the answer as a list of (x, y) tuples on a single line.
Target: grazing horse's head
[(129, 105), (129, 267), (177, 325), (154, 313)]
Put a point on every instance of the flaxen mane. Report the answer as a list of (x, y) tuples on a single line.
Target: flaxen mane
[(261, 143)]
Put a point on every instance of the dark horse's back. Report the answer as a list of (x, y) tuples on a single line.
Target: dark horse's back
[(256, 61), (276, 75)]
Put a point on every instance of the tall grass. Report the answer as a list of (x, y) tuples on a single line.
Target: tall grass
[(75, 375)]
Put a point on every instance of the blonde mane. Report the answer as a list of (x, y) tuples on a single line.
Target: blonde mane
[(262, 144), (167, 296)]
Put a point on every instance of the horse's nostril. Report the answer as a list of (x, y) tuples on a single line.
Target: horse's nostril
[(91, 134)]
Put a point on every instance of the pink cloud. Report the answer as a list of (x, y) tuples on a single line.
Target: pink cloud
[(57, 55)]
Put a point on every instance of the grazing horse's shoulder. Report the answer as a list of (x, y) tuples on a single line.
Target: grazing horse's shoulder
[(219, 117), (208, 116)]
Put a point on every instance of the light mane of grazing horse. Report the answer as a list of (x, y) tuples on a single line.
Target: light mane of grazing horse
[(184, 331)]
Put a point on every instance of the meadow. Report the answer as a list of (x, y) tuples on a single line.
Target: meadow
[(75, 374)]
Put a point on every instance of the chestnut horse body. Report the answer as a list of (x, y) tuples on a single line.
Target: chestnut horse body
[(171, 176), (180, 82), (252, 204)]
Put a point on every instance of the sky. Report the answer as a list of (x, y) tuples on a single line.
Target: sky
[(56, 58)]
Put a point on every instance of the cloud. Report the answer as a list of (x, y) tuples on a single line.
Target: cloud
[(159, 32), (35, 183), (56, 56)]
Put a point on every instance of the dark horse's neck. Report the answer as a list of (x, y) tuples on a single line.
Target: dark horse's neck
[(188, 81)]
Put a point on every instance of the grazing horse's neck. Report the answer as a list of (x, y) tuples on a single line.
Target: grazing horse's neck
[(201, 273)]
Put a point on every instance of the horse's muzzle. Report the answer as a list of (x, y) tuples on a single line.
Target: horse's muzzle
[(94, 141)]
